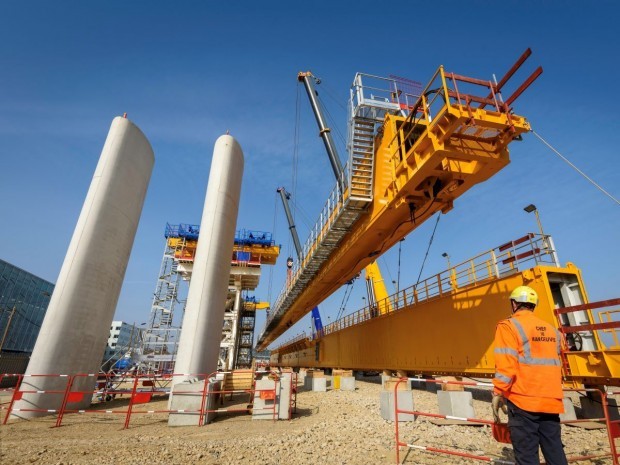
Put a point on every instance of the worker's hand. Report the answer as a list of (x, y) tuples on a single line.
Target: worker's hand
[(498, 403)]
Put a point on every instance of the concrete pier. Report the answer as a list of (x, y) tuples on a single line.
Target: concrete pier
[(76, 326), (199, 344)]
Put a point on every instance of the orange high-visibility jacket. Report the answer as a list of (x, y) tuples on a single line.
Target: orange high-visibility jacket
[(528, 371)]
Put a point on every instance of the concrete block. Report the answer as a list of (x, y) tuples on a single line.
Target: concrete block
[(188, 397), (569, 411), (593, 408), (315, 384), (405, 402), (264, 401), (338, 376), (347, 383), (319, 384), (456, 403)]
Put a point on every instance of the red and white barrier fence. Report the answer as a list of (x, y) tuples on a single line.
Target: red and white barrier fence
[(140, 390), (500, 431)]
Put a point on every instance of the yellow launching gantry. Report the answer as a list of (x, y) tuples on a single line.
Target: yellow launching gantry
[(444, 325), (410, 155)]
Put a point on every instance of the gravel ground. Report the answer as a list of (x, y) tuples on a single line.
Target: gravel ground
[(334, 427)]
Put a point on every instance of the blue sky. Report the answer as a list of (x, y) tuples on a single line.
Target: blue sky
[(186, 73)]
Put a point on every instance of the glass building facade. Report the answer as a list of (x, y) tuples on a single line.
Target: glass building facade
[(24, 298)]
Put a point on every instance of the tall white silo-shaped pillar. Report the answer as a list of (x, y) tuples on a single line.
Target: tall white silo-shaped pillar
[(76, 326), (199, 343)]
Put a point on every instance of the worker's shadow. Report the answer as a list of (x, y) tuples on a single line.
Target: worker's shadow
[(305, 412), (507, 454)]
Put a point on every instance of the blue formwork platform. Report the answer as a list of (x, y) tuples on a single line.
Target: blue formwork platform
[(242, 237)]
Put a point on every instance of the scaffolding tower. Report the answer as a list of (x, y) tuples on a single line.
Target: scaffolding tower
[(251, 250), (161, 337), (246, 333)]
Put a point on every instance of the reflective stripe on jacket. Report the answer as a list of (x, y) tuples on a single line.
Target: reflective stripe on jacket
[(528, 370)]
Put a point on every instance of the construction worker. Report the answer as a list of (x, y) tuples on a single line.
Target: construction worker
[(528, 381)]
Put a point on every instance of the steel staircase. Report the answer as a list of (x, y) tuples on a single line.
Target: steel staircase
[(361, 156)]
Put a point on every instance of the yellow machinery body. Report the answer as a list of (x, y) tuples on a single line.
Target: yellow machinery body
[(253, 306), (449, 142), (377, 292), (185, 250), (445, 325)]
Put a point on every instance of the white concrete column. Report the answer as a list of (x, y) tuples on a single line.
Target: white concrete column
[(204, 314), (76, 327)]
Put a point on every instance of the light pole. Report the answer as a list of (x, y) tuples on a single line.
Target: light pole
[(398, 278), (447, 257), (532, 208), (6, 329), (13, 311)]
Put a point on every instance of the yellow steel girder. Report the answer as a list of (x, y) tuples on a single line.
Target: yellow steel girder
[(422, 163), (451, 334)]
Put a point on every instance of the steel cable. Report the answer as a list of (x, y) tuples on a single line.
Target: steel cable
[(430, 242), (575, 168)]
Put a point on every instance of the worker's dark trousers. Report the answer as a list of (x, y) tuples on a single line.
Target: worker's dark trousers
[(529, 430)]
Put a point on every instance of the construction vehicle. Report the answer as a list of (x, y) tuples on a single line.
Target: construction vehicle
[(411, 156)]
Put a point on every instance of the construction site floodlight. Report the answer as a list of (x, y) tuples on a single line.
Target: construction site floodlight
[(530, 208), (444, 255)]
